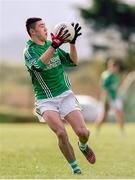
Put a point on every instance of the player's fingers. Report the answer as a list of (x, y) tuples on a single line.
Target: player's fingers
[(78, 29), (72, 24), (65, 32), (61, 30), (76, 26), (52, 35), (66, 36), (79, 34)]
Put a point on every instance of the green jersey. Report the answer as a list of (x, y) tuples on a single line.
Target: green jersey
[(110, 81), (48, 80)]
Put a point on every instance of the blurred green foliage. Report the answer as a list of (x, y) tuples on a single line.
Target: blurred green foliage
[(113, 14)]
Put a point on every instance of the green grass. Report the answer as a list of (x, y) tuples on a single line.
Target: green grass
[(30, 151)]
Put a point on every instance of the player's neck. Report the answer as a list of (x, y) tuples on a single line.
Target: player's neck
[(112, 70), (38, 41)]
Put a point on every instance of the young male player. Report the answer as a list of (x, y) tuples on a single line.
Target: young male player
[(111, 81), (54, 98)]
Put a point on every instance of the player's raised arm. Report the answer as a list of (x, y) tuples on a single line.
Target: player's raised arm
[(73, 51), (57, 41)]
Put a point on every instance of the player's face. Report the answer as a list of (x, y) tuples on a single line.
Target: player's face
[(40, 31), (112, 66)]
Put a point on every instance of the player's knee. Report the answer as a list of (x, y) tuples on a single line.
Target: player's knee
[(83, 133), (61, 133)]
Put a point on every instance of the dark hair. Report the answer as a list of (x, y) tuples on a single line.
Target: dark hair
[(110, 58), (117, 62), (113, 59), (30, 23)]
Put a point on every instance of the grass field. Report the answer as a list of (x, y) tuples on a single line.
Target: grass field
[(30, 151)]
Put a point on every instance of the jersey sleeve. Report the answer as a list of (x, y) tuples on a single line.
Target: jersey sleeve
[(65, 58), (106, 80), (33, 61)]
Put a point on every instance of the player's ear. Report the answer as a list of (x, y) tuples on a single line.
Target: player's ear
[(32, 31)]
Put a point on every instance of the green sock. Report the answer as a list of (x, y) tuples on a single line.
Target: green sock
[(75, 167), (82, 146)]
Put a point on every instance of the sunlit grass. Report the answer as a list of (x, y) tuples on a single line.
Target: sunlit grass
[(31, 151)]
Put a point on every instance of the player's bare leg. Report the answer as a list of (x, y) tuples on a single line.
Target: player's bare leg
[(120, 118), (102, 118), (76, 120), (53, 120)]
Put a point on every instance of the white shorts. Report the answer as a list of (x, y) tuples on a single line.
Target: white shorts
[(63, 104), (116, 104)]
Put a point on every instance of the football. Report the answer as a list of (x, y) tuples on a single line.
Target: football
[(67, 26)]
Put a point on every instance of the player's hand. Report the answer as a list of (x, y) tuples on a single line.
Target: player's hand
[(59, 39), (77, 28)]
